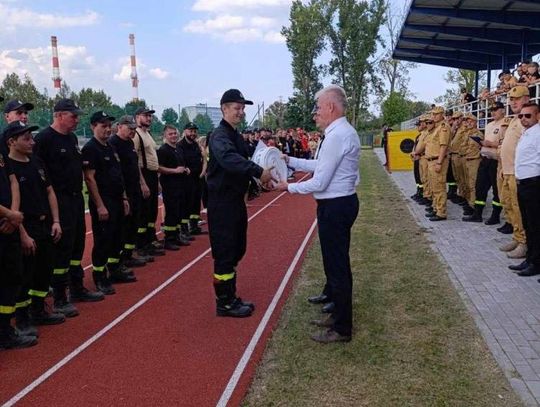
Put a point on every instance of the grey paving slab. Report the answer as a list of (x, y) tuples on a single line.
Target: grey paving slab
[(505, 307)]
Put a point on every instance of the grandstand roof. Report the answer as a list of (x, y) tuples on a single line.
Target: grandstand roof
[(470, 34)]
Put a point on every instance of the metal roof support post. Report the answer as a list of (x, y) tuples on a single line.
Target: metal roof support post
[(524, 43), (476, 80), (488, 79), (504, 62)]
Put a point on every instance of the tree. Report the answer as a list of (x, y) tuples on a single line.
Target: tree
[(184, 119), (353, 28), (395, 72), (274, 115), (243, 124), (204, 123), (305, 41), (133, 105), (169, 116), (90, 99), (14, 88), (417, 108), (395, 109)]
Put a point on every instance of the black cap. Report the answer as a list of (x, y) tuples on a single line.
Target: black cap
[(129, 121), (67, 105), (191, 125), (144, 110), (234, 95), (16, 105), (100, 117), (497, 106), (15, 128)]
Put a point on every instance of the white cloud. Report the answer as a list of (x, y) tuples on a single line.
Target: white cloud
[(159, 73), (240, 20), (224, 5), (15, 18), (142, 71)]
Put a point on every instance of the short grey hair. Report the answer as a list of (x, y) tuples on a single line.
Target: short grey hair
[(337, 92)]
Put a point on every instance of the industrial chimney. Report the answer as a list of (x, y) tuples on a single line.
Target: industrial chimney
[(134, 78), (55, 65)]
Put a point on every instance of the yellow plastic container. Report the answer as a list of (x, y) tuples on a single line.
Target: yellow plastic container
[(400, 146)]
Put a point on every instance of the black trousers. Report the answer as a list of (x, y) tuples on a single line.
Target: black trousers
[(107, 234), (10, 274), (335, 219), (130, 225), (450, 179), (486, 179), (227, 223), (416, 171), (149, 209), (529, 206), (69, 250), (37, 268), (194, 197), (174, 200)]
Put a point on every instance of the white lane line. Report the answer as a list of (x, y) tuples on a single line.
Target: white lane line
[(233, 381), (116, 321)]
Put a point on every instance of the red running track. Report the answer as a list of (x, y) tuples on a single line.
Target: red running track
[(158, 341)]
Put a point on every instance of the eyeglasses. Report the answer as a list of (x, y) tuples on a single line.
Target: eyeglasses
[(526, 115), (315, 109)]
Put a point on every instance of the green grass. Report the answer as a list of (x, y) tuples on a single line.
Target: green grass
[(414, 343)]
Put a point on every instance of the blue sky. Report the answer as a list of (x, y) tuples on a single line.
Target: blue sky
[(188, 51)]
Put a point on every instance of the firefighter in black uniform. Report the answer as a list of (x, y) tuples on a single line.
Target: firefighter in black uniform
[(10, 259), (193, 157), (58, 149), (123, 144), (38, 233), (108, 204), (173, 173), (14, 111), (229, 172)]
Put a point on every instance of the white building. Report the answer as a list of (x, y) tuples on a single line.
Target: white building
[(201, 108)]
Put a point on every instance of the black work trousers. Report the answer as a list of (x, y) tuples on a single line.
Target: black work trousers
[(486, 179), (174, 200), (10, 273), (227, 223), (416, 171), (194, 197), (130, 224), (529, 206), (149, 209), (69, 250), (335, 219), (37, 268), (107, 234)]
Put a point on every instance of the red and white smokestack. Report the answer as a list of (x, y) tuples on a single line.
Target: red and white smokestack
[(55, 64), (134, 78)]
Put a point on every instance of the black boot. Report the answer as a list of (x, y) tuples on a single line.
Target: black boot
[(194, 228), (452, 192), (506, 229), (39, 314), (227, 305), (62, 304), (23, 322), (184, 231), (79, 293), (467, 210), (495, 217), (102, 282), (238, 299), (476, 216), (11, 339)]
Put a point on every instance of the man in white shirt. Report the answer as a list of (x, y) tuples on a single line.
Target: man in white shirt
[(333, 185), (527, 170)]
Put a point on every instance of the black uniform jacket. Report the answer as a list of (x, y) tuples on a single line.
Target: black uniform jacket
[(229, 169)]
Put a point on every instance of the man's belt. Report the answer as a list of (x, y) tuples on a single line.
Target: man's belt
[(472, 159), (527, 181), (432, 158)]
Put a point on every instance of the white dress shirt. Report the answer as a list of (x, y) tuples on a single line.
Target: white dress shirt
[(335, 170), (527, 164)]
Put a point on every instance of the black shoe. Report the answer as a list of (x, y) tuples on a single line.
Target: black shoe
[(10, 339), (44, 317), (518, 267), (234, 310), (120, 277), (529, 271), (181, 240), (424, 201), (249, 304), (430, 214), (472, 218), (24, 324), (65, 308), (467, 210), (171, 245), (330, 336), (105, 286), (506, 229), (328, 308), (437, 218), (493, 220), (82, 294), (134, 262), (145, 255), (429, 208), (319, 299)]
